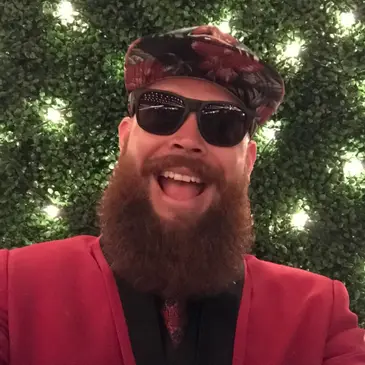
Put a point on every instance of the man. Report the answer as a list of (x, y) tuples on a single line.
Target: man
[(170, 279)]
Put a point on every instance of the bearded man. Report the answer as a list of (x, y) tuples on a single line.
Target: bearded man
[(170, 279)]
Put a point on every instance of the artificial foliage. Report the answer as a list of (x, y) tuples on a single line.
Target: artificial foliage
[(62, 98)]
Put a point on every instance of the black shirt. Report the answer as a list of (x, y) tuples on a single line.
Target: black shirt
[(208, 336)]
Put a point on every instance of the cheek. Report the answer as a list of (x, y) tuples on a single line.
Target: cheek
[(141, 145), (232, 162)]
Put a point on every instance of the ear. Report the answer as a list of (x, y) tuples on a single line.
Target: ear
[(251, 156), (124, 129)]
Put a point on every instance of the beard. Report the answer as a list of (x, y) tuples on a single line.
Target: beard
[(188, 256)]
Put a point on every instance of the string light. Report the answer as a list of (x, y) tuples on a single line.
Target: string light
[(270, 130), (65, 12), (299, 220), (224, 27), (288, 53), (52, 211), (54, 115), (293, 49), (269, 133), (353, 167), (347, 19), (55, 112)]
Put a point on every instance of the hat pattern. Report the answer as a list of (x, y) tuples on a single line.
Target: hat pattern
[(205, 52)]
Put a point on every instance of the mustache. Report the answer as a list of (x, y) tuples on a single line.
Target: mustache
[(208, 174)]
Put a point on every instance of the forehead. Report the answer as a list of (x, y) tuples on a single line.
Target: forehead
[(194, 89)]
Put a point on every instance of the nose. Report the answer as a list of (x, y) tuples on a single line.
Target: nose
[(188, 138)]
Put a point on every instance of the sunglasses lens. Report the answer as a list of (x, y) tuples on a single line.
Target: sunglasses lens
[(223, 125), (160, 113)]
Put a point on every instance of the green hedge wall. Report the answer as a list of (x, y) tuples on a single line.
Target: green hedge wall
[(62, 97)]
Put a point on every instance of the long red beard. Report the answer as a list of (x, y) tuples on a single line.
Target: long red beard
[(202, 256)]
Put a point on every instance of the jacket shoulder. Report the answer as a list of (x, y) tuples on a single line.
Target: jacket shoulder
[(52, 251), (276, 275), (53, 264)]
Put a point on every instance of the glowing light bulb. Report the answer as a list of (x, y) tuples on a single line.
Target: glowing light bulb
[(52, 211), (53, 115), (293, 49), (347, 19), (269, 133), (270, 130), (299, 220), (224, 27), (353, 167), (65, 12)]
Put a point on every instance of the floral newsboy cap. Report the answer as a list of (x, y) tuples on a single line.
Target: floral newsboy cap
[(205, 52)]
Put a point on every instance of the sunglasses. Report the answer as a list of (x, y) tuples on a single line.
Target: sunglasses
[(162, 113)]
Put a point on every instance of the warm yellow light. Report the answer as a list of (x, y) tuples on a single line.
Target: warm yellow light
[(269, 131), (347, 19), (224, 27), (53, 115), (293, 49), (299, 220), (65, 12), (353, 167), (52, 211)]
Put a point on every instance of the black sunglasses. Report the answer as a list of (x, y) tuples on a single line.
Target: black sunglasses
[(162, 112)]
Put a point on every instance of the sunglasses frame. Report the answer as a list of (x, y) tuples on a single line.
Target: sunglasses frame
[(191, 105)]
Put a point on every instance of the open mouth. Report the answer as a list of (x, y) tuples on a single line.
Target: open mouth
[(180, 187)]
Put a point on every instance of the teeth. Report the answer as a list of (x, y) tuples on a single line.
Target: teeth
[(179, 177)]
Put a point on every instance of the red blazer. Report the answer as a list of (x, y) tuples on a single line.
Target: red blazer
[(59, 305)]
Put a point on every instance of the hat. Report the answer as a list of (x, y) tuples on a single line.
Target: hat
[(205, 52)]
